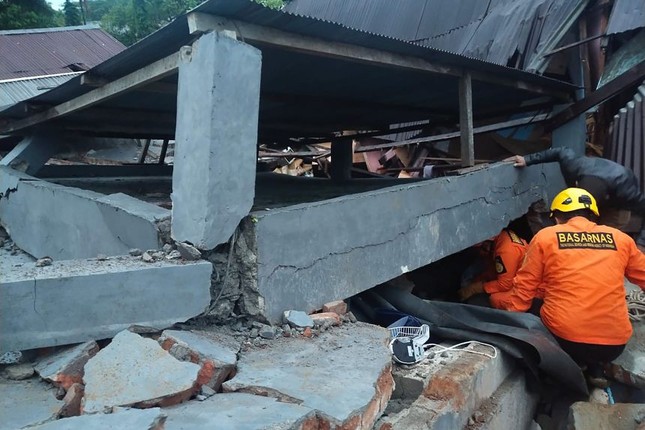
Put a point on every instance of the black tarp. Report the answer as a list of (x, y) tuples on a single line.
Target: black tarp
[(521, 335)]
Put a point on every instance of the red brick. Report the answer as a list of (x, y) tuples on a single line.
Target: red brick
[(72, 401), (338, 306), (326, 317)]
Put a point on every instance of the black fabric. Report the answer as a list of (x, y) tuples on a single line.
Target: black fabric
[(588, 353), (519, 334)]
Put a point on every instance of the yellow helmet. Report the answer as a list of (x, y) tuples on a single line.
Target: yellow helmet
[(573, 199)]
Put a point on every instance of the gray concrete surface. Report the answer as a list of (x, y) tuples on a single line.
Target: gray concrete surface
[(132, 370), (591, 416), (46, 219), (65, 367), (131, 419), (629, 367), (357, 241), (239, 411), (32, 153), (216, 138), (337, 373), (24, 403), (79, 300)]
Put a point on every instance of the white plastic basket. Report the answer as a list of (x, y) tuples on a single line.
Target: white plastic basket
[(409, 331)]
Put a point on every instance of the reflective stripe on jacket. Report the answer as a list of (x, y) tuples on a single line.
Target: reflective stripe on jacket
[(582, 267)]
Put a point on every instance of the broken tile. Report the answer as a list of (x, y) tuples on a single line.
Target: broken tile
[(130, 419), (216, 353), (65, 367), (133, 370), (19, 372), (338, 306)]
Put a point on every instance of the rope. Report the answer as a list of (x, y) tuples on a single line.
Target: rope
[(636, 305), (464, 345)]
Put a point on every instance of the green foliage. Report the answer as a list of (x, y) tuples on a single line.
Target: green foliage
[(16, 14), (72, 13), (273, 4)]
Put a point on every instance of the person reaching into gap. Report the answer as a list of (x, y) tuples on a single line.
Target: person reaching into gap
[(581, 266), (507, 253), (615, 187)]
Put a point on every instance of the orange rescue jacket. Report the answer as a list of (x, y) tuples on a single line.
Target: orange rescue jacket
[(509, 253), (581, 266)]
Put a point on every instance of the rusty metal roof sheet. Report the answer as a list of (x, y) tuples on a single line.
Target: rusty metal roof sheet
[(508, 32), (15, 90), (626, 15), (52, 51)]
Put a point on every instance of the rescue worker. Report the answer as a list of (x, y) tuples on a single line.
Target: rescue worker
[(614, 186), (581, 266), (507, 254)]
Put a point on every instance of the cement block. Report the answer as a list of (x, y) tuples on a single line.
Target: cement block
[(344, 374), (133, 370), (47, 219), (592, 416), (80, 300), (239, 411), (216, 353), (390, 231), (24, 403), (216, 137), (65, 367), (131, 419)]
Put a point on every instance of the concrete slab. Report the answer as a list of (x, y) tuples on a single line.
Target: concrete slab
[(392, 231), (592, 416), (629, 367), (65, 367), (216, 353), (216, 137), (133, 370), (80, 300), (344, 374), (46, 219), (131, 419), (24, 403), (240, 411)]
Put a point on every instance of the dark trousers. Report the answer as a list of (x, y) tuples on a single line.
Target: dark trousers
[(590, 354)]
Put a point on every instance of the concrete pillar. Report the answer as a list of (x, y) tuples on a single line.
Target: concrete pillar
[(215, 154), (32, 153)]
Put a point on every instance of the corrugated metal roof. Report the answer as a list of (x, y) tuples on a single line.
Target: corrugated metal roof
[(39, 52), (493, 30), (15, 90), (302, 90), (626, 15), (627, 136)]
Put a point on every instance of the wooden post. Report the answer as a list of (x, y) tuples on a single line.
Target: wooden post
[(341, 160), (466, 120)]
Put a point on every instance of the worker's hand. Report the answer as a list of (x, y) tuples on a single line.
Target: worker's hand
[(470, 290), (518, 160)]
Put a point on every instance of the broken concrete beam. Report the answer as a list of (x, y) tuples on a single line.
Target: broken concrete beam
[(592, 416), (47, 219), (512, 405), (80, 300), (25, 403), (315, 372), (131, 419), (216, 353), (65, 367), (463, 210), (240, 411), (135, 371), (629, 367), (31, 153), (213, 180)]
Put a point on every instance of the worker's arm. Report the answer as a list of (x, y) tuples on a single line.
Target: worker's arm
[(526, 282), (507, 261), (635, 270), (561, 155)]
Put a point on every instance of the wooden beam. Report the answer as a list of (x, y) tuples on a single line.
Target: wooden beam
[(139, 78), (444, 136), (466, 120), (199, 22), (631, 77)]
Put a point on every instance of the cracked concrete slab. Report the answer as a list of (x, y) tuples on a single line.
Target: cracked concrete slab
[(425, 220), (133, 370), (344, 374), (65, 367), (24, 403), (131, 419), (240, 411), (80, 300)]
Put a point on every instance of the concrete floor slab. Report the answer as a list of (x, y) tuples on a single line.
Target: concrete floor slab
[(345, 374), (131, 419), (24, 403), (79, 300), (240, 411)]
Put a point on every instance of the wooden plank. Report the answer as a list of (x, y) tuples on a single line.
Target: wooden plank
[(254, 34), (466, 120), (141, 77), (444, 136)]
